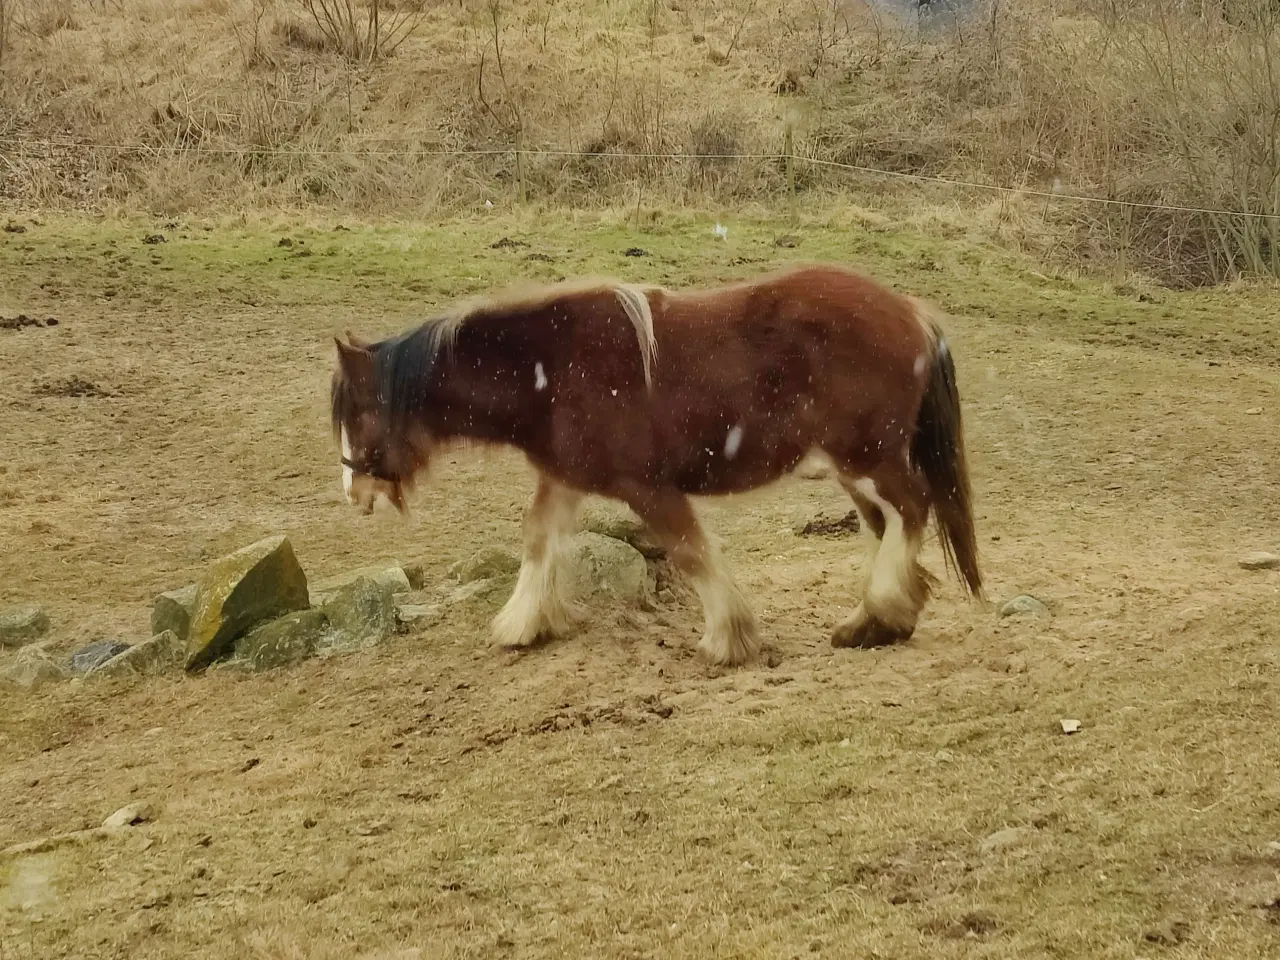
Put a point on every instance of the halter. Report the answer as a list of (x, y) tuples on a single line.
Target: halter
[(370, 471)]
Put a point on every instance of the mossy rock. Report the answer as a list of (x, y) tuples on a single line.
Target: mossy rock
[(259, 582)]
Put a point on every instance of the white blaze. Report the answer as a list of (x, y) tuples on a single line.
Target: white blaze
[(347, 474)]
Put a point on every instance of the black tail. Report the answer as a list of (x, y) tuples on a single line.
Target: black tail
[(938, 450)]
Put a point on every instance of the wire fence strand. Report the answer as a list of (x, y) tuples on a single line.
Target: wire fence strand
[(23, 145)]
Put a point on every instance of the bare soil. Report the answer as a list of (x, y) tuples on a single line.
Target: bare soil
[(607, 794)]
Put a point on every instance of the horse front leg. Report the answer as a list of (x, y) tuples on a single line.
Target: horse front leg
[(731, 636), (538, 604)]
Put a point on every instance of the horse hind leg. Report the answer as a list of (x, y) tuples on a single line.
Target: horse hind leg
[(731, 637), (538, 604), (894, 504)]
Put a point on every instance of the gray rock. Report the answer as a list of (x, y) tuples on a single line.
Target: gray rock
[(416, 574), (360, 614), (1004, 839), (416, 616), (1260, 561), (30, 669), (256, 583), (290, 639), (488, 564), (22, 625), (89, 658), (630, 530), (129, 816), (172, 611), (1024, 605), (475, 590), (150, 656), (604, 567), (814, 467), (392, 579)]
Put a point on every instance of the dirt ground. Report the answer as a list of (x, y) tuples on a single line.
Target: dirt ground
[(608, 795)]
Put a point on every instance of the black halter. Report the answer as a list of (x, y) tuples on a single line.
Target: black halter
[(370, 471)]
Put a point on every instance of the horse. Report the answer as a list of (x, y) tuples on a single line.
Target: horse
[(650, 396)]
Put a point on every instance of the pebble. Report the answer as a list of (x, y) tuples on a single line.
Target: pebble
[(1024, 605), (1260, 560)]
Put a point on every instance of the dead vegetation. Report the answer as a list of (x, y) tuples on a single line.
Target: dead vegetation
[(1166, 109)]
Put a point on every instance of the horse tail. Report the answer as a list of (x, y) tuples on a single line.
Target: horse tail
[(937, 449)]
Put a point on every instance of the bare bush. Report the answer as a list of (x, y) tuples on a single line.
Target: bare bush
[(364, 32)]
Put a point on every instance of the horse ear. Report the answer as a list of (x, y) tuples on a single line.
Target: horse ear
[(356, 362), (356, 341)]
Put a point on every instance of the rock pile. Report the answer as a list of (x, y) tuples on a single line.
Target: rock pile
[(255, 610)]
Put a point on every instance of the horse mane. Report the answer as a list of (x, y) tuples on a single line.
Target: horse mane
[(403, 362)]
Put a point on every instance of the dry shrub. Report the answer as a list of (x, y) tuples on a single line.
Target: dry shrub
[(364, 31)]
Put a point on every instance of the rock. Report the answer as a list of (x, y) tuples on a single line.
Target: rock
[(22, 625), (418, 615), (416, 574), (172, 611), (150, 656), (604, 566), (1070, 726), (487, 564), (134, 813), (1260, 561), (32, 668), (259, 582), (474, 590), (360, 614), (392, 579), (89, 658), (1024, 605), (1168, 934), (291, 638), (630, 530), (814, 467), (1004, 839)]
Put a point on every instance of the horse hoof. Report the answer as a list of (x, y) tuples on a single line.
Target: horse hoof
[(868, 635)]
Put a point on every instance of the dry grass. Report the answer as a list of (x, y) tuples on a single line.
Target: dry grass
[(606, 795), (247, 102)]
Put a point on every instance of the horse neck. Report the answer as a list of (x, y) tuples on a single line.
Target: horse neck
[(486, 388)]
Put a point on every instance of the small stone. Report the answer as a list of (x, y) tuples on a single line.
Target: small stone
[(1253, 411), (814, 467), (134, 813), (22, 625), (392, 579), (1168, 934), (1024, 605), (1003, 839), (604, 566), (259, 582), (1070, 726), (416, 574), (172, 611), (31, 668), (375, 829), (845, 744), (278, 643), (1260, 560), (87, 659), (487, 564), (474, 590), (1273, 846), (360, 614), (418, 615), (150, 656)]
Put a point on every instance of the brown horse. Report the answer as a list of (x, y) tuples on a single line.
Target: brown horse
[(649, 396)]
